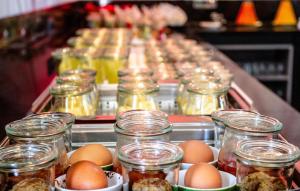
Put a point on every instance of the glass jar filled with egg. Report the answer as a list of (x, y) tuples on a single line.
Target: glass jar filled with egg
[(138, 95), (219, 128), (67, 118), (150, 166), (48, 131), (205, 97), (265, 165), (27, 167), (75, 99), (245, 126)]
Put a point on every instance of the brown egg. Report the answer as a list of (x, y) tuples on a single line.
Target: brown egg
[(95, 153), (203, 176), (196, 151), (85, 175)]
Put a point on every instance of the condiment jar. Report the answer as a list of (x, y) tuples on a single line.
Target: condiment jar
[(244, 127), (75, 99), (67, 118), (27, 167), (132, 96), (265, 164), (150, 165), (41, 130), (205, 97), (219, 117)]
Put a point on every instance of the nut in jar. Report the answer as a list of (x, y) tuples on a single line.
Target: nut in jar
[(27, 167)]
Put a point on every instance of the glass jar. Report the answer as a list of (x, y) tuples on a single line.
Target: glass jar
[(142, 128), (75, 99), (265, 164), (133, 96), (219, 117), (67, 118), (244, 127), (27, 167), (73, 59), (41, 130), (205, 97), (150, 165), (136, 79), (145, 72), (87, 72)]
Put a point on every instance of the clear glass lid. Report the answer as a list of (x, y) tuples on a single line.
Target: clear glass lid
[(255, 123), (150, 155), (267, 153), (35, 128), (26, 157), (68, 118), (142, 115), (223, 115)]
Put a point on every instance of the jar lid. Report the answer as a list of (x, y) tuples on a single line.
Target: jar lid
[(87, 72), (63, 90), (142, 114), (143, 126), (138, 88), (255, 123), (35, 128), (26, 157), (135, 72), (67, 118), (267, 153), (223, 115), (150, 155), (207, 87)]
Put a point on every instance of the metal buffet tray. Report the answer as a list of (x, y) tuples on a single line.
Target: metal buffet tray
[(100, 129)]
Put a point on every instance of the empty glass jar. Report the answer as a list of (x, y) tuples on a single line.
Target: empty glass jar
[(41, 130), (265, 164), (27, 167), (150, 165), (239, 127), (76, 99), (142, 115), (67, 118), (132, 96)]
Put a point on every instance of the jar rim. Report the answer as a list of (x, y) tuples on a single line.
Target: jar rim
[(223, 115), (140, 114), (135, 71), (150, 154), (36, 128), (271, 153), (67, 118), (26, 157), (88, 72), (76, 79), (254, 123), (138, 87), (70, 89), (143, 127), (208, 87)]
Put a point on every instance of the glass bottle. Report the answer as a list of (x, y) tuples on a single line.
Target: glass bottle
[(27, 167)]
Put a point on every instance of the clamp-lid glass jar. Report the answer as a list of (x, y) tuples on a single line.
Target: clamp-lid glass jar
[(75, 99), (132, 96), (205, 97), (150, 165), (41, 130), (222, 115), (265, 164), (27, 167), (244, 127), (67, 118)]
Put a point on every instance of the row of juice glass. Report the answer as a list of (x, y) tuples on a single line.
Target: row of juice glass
[(250, 149)]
